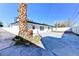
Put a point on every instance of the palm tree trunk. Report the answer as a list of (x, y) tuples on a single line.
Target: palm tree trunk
[(23, 29)]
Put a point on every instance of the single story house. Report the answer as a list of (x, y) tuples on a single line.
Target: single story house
[(36, 27)]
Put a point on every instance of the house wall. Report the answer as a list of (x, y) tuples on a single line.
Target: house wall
[(37, 27)]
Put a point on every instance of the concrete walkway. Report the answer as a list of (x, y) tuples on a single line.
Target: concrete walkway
[(5, 39)]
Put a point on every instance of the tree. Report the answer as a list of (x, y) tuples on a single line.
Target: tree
[(1, 24), (25, 35)]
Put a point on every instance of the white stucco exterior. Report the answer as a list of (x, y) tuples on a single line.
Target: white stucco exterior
[(37, 27), (14, 29)]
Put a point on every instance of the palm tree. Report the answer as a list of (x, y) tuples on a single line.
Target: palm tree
[(23, 30), (25, 34)]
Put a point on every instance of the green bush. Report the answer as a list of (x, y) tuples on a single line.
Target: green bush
[(19, 41), (1, 24)]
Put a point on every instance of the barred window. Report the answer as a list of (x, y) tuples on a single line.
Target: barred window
[(41, 28)]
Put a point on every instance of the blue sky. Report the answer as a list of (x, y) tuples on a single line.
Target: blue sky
[(41, 12)]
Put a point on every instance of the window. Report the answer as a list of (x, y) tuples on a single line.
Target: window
[(41, 28), (48, 27), (33, 27)]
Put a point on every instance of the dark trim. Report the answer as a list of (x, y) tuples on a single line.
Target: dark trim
[(34, 23)]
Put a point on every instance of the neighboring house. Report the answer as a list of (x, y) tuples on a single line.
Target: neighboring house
[(36, 27)]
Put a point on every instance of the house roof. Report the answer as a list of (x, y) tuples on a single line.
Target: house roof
[(29, 21)]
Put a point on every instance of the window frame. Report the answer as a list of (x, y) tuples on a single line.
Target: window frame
[(41, 28)]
